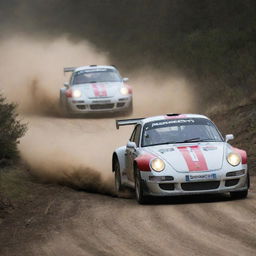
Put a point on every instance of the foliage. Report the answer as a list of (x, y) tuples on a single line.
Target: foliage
[(11, 129)]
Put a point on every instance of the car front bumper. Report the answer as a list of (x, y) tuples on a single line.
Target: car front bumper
[(180, 186), (99, 105)]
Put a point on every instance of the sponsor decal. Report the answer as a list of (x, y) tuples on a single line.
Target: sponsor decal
[(194, 158), (176, 121), (209, 148), (92, 70), (165, 150), (211, 176)]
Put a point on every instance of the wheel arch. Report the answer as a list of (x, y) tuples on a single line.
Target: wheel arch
[(118, 155)]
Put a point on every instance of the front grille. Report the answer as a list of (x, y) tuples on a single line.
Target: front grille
[(193, 186), (101, 106), (167, 186), (101, 101), (119, 105), (81, 106), (230, 183)]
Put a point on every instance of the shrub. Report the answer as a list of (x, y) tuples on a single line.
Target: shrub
[(11, 129)]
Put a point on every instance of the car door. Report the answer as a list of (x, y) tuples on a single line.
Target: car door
[(131, 152)]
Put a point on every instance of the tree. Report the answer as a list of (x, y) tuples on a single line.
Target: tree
[(11, 129)]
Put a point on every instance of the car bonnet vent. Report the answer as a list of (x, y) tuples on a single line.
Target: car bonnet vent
[(173, 114)]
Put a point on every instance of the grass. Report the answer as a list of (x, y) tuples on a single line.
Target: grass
[(14, 183)]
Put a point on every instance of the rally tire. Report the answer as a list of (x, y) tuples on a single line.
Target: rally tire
[(139, 192), (129, 110), (241, 194), (118, 185), (64, 108)]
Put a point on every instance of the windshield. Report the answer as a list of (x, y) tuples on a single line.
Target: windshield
[(96, 76), (179, 131)]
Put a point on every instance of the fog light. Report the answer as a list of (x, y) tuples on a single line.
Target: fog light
[(235, 173), (160, 178)]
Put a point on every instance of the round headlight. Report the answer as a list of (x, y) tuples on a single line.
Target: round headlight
[(76, 93), (234, 159), (157, 165), (124, 91)]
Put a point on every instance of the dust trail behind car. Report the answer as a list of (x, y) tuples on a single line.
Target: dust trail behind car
[(77, 151)]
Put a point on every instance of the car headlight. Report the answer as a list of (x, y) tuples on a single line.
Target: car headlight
[(124, 91), (157, 164), (76, 93), (234, 159)]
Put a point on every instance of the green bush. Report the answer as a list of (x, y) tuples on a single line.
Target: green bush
[(11, 129)]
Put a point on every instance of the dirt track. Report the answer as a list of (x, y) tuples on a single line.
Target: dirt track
[(61, 221)]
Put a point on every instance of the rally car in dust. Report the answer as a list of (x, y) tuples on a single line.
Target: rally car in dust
[(179, 154), (95, 89)]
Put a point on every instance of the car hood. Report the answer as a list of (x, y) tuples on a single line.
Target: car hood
[(99, 90), (192, 156)]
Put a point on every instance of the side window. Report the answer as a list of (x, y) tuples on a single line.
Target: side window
[(133, 134), (137, 135), (72, 78)]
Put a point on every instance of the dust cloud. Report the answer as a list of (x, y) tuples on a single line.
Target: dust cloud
[(32, 69), (76, 151)]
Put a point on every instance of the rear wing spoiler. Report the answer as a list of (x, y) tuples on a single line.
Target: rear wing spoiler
[(127, 122), (69, 69)]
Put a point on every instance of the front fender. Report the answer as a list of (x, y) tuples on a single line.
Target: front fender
[(119, 155), (143, 162)]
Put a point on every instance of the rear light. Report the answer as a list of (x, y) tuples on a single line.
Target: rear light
[(68, 93)]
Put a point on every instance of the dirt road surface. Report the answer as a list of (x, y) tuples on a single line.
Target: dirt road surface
[(58, 220)]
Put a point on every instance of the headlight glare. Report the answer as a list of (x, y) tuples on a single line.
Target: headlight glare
[(234, 159), (124, 91), (76, 93), (157, 164)]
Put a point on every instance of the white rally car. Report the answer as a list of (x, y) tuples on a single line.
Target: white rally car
[(179, 154), (95, 89)]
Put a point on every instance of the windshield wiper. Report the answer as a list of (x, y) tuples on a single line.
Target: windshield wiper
[(157, 144), (197, 139)]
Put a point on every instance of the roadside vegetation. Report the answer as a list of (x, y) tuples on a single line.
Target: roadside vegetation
[(11, 129)]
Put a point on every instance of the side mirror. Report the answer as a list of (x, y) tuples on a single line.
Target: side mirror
[(66, 84), (125, 79), (229, 137), (131, 145)]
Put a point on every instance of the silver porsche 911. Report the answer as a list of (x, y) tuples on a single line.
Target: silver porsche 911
[(94, 89)]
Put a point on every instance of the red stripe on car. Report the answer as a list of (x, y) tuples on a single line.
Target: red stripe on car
[(129, 88), (99, 90), (95, 90), (197, 164), (143, 162), (103, 90)]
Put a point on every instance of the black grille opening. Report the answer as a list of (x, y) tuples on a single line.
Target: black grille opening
[(193, 186), (230, 183), (167, 186), (81, 106), (102, 106), (119, 105)]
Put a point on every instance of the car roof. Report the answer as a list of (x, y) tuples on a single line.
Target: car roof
[(170, 117), (94, 67)]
